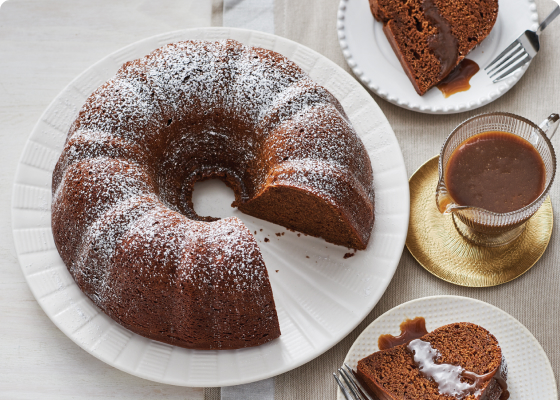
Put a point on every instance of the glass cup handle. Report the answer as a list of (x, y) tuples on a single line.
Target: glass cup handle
[(550, 125)]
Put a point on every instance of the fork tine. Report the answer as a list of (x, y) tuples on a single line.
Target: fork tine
[(357, 382), (350, 384), (512, 70), (503, 53), (342, 388), (506, 62), (506, 58), (510, 66)]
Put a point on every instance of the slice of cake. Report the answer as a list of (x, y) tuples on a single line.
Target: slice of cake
[(431, 37), (460, 361)]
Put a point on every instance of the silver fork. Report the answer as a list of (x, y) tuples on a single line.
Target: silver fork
[(351, 388), (520, 52)]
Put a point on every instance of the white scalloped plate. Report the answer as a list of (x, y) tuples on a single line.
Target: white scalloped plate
[(320, 296), (373, 61), (530, 375)]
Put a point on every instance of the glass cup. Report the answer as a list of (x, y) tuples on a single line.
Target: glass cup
[(480, 226)]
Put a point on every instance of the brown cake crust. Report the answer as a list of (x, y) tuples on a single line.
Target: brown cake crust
[(122, 213), (431, 37), (393, 375)]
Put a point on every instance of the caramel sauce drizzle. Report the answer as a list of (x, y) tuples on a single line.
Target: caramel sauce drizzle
[(444, 45), (480, 380), (446, 49), (410, 329)]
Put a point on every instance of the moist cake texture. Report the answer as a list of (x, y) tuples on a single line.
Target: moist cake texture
[(122, 214)]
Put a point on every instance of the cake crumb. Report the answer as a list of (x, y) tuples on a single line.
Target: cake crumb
[(266, 239), (306, 256), (255, 232), (299, 234), (277, 270), (348, 255), (278, 234), (283, 233), (260, 229)]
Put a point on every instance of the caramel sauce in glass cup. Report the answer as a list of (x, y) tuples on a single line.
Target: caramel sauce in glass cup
[(480, 226)]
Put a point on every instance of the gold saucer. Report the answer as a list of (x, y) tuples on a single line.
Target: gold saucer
[(435, 243)]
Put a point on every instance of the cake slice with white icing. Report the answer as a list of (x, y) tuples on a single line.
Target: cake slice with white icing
[(461, 361)]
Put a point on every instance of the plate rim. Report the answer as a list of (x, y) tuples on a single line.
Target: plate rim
[(363, 334), (219, 382), (488, 98)]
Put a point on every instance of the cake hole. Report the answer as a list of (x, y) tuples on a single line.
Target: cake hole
[(169, 121), (419, 27), (212, 198)]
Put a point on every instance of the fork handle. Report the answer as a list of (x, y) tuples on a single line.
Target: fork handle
[(548, 19)]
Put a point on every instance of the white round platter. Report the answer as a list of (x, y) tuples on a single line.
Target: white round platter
[(373, 61), (320, 296), (530, 375)]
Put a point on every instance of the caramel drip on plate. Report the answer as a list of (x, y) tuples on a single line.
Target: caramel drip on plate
[(459, 79), (480, 380), (410, 329)]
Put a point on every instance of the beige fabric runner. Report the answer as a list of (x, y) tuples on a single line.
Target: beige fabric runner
[(534, 299)]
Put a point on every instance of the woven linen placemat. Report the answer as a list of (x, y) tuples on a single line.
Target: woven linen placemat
[(534, 298)]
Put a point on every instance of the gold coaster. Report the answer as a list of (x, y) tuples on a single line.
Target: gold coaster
[(435, 243)]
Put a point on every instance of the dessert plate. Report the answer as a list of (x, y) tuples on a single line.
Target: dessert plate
[(529, 370), (373, 61), (320, 295)]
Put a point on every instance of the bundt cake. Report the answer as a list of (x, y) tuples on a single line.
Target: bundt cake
[(460, 361), (431, 37), (122, 213)]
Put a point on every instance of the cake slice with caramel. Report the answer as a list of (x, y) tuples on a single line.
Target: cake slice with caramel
[(460, 361), (431, 37)]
